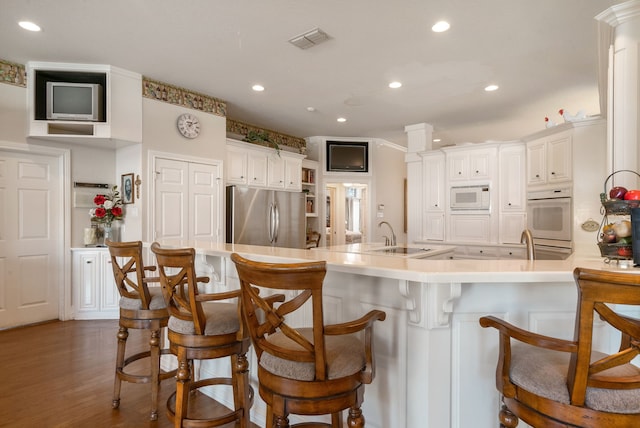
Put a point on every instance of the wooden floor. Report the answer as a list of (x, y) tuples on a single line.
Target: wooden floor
[(60, 374)]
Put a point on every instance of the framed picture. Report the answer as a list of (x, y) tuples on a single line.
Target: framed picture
[(128, 191)]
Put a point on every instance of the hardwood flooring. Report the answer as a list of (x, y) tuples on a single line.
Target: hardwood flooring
[(60, 374)]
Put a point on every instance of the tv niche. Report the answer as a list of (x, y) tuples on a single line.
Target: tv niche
[(70, 96), (347, 156)]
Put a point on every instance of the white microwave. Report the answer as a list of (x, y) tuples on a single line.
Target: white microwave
[(470, 198)]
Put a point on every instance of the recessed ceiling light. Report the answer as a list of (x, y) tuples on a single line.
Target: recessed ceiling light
[(395, 85), (258, 88), (440, 26), (342, 119), (491, 88), (311, 109), (436, 140), (27, 25)]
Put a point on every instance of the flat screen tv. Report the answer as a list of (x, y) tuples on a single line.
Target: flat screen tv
[(74, 101), (344, 156)]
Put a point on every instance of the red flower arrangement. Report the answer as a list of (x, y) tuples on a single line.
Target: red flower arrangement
[(109, 207)]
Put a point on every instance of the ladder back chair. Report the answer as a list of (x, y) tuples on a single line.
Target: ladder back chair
[(317, 370), (202, 326), (550, 382), (141, 307)]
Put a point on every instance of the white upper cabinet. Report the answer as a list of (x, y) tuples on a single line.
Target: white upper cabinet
[(549, 160), (470, 164), (512, 159), (116, 101), (433, 167), (256, 166)]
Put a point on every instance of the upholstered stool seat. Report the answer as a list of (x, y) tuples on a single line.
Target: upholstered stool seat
[(544, 372), (141, 307), (202, 326)]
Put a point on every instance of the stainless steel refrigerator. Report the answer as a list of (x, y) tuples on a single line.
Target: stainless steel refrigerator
[(265, 217)]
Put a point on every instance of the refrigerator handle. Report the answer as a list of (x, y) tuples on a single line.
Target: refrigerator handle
[(276, 225), (271, 222)]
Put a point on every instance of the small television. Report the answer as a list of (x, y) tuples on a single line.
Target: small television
[(344, 156), (74, 101)]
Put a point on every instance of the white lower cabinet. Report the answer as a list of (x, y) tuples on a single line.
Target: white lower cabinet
[(434, 226), (470, 228), (93, 288)]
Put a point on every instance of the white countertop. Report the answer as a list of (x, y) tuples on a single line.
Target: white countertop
[(420, 270)]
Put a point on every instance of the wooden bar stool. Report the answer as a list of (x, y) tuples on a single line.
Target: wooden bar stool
[(317, 370), (141, 307), (202, 327)]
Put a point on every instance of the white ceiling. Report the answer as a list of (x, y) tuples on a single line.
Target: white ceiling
[(542, 54)]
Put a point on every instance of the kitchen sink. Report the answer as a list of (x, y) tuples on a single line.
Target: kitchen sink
[(400, 250)]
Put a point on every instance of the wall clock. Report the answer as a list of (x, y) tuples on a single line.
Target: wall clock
[(188, 125)]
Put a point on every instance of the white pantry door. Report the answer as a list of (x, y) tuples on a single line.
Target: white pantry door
[(30, 234), (188, 200)]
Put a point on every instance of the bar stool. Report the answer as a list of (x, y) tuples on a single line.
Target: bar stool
[(315, 370), (141, 307), (202, 327)]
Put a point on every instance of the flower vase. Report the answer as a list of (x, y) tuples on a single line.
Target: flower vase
[(107, 233)]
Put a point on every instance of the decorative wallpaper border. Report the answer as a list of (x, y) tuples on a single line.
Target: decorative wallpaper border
[(13, 74), (183, 97), (241, 128)]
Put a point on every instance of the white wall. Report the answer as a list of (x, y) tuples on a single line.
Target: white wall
[(390, 172), (160, 134)]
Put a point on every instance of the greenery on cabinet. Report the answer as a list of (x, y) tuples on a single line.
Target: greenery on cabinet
[(261, 137)]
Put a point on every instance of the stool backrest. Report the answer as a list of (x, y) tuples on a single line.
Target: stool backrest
[(598, 293), (129, 270), (300, 282), (180, 284)]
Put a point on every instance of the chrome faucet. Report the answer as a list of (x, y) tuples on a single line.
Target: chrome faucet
[(526, 238), (393, 235)]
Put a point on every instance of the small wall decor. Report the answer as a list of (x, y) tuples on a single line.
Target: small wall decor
[(128, 191), (138, 183)]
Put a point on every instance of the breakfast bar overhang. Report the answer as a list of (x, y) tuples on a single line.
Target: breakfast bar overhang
[(435, 364)]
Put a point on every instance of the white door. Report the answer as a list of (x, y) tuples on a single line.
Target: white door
[(30, 237), (188, 200)]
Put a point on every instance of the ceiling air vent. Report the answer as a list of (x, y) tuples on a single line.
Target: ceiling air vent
[(309, 39)]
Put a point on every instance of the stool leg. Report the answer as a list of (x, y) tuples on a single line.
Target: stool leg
[(239, 373), (154, 344), (183, 382), (123, 334), (355, 418), (336, 420)]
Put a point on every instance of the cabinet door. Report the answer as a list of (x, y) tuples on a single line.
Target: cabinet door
[(479, 164), (470, 228), (275, 172), (109, 295), (293, 174), (512, 181), (86, 283), (257, 169), (536, 163), (511, 227), (458, 166), (434, 226), (236, 165), (559, 159), (433, 167)]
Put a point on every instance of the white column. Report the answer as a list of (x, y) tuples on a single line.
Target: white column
[(419, 139), (624, 87)]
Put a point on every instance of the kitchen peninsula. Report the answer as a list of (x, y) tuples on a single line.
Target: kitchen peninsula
[(435, 364)]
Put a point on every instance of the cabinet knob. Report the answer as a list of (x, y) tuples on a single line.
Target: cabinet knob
[(459, 172), (509, 204), (477, 172), (537, 175), (435, 205), (242, 176), (88, 262), (553, 173), (480, 251)]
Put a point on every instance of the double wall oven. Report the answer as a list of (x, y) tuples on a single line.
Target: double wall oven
[(549, 219)]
